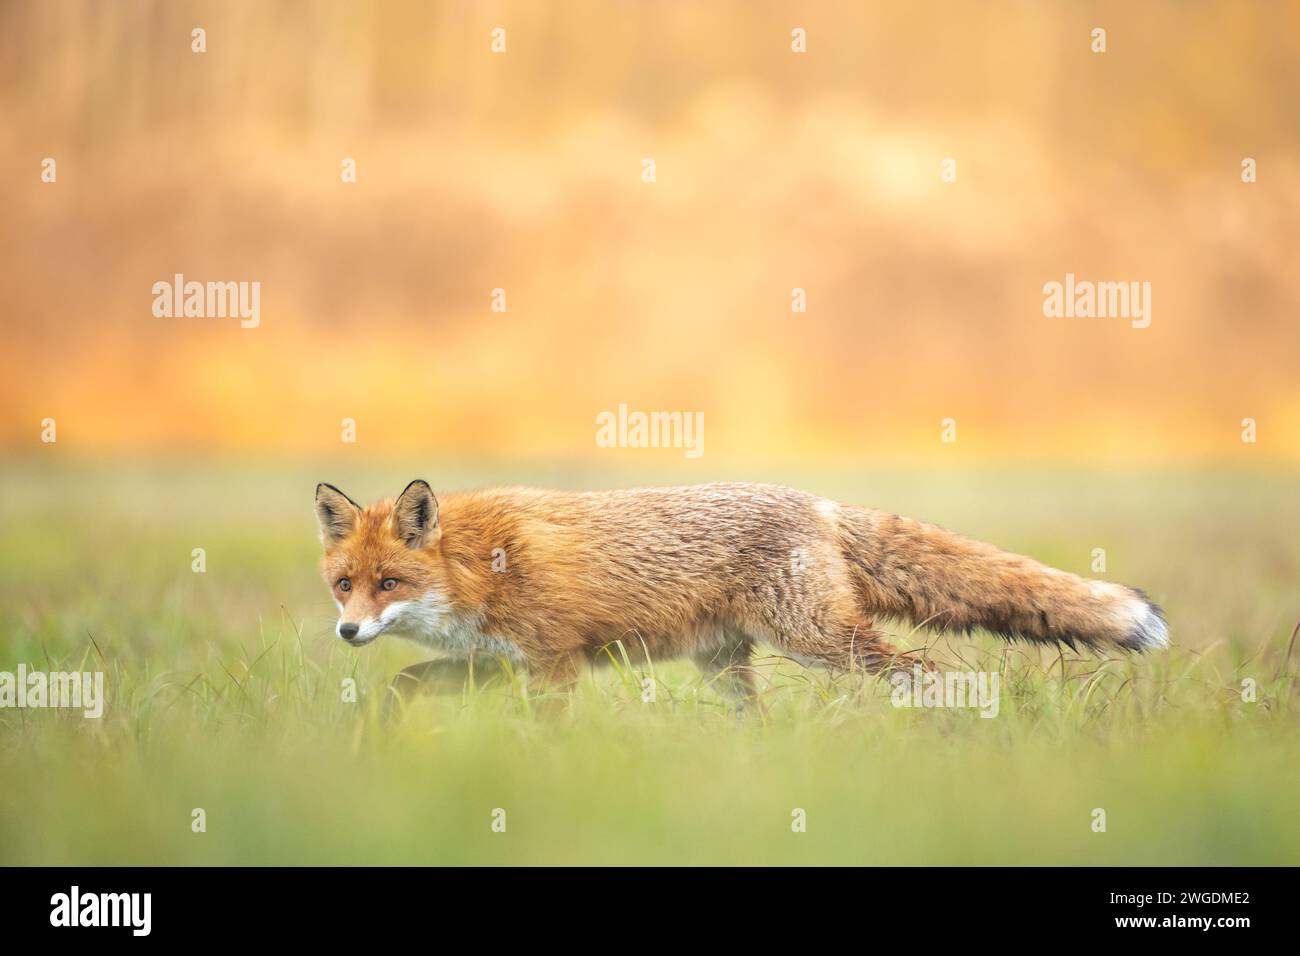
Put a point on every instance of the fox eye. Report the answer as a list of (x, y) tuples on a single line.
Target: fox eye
[(389, 584), (345, 584)]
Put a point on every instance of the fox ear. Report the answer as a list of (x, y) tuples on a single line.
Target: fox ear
[(337, 513), (415, 515)]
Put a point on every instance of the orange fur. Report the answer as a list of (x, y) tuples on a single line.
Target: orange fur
[(703, 571)]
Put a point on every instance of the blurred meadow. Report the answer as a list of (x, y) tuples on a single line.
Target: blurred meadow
[(226, 693), (522, 171)]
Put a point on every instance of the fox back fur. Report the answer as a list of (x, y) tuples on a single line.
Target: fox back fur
[(551, 579)]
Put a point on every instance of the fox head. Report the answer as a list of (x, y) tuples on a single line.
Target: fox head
[(381, 563)]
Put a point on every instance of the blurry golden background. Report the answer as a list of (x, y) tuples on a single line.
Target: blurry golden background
[(775, 170)]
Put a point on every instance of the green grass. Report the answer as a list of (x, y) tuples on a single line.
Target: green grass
[(225, 693)]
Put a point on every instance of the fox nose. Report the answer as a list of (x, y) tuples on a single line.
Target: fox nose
[(348, 631)]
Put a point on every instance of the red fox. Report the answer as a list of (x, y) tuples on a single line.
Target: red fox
[(549, 579)]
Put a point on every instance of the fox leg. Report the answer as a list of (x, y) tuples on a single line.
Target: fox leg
[(445, 675), (429, 677), (552, 673), (881, 657), (851, 644), (729, 667), (421, 678), (440, 676)]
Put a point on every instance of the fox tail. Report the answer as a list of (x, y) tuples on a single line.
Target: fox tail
[(941, 580)]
